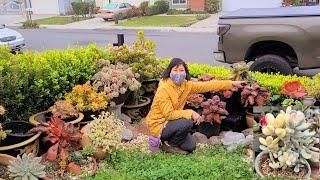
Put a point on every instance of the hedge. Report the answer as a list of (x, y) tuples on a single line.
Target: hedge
[(33, 81)]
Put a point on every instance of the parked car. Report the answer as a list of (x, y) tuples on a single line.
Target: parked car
[(274, 39), (12, 38), (109, 10)]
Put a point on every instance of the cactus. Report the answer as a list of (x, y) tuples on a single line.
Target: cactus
[(290, 139), (26, 167)]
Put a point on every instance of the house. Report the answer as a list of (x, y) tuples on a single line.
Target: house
[(100, 3), (194, 5), (11, 7)]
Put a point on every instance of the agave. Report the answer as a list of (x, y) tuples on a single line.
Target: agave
[(26, 167)]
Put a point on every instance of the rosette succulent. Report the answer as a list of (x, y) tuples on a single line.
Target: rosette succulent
[(116, 79), (289, 140)]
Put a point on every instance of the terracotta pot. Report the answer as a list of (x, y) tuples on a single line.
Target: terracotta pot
[(257, 164), (5, 159), (85, 142), (42, 116), (249, 120), (74, 168)]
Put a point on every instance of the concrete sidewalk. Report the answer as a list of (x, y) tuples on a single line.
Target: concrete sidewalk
[(207, 25)]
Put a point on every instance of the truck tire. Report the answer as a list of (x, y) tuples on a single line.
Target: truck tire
[(271, 63)]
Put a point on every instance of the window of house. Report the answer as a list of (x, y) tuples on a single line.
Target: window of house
[(179, 1)]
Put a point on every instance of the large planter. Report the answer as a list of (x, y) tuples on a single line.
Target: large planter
[(88, 117), (85, 142), (259, 158), (116, 110), (138, 111), (121, 98), (5, 161), (308, 101), (46, 116), (18, 142)]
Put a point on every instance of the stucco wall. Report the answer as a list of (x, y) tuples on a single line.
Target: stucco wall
[(231, 5), (132, 2), (196, 5), (45, 6)]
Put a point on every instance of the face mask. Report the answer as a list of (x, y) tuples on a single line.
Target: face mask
[(178, 78)]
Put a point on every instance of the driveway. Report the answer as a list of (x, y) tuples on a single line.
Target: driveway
[(14, 20)]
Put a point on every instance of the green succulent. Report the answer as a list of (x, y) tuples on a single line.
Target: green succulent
[(26, 167), (76, 157)]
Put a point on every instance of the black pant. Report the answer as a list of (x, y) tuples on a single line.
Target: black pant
[(178, 134)]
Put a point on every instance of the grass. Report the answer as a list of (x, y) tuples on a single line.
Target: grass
[(160, 21), (205, 163), (59, 20)]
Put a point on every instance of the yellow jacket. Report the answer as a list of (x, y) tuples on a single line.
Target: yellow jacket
[(170, 99)]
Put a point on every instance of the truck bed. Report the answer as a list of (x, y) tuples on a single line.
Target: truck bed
[(273, 12)]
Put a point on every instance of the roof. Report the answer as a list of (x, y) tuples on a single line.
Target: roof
[(273, 12)]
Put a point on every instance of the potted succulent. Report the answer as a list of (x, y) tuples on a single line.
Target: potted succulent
[(62, 109), (116, 81), (254, 95), (286, 146), (87, 100), (104, 134), (26, 167), (82, 161), (136, 106), (194, 102), (295, 92)]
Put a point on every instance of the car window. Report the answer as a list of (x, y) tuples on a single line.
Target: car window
[(122, 5), (128, 5), (110, 6)]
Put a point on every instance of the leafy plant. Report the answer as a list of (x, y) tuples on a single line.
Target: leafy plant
[(202, 16), (213, 108), (106, 132), (85, 98), (212, 6), (195, 100), (254, 94), (289, 140), (312, 87), (87, 151), (114, 80), (76, 157), (144, 6), (159, 7), (61, 135), (26, 167), (63, 110), (30, 25)]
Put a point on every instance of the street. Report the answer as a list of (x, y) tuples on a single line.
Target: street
[(192, 47)]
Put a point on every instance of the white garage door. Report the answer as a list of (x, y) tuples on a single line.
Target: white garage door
[(231, 5), (45, 6)]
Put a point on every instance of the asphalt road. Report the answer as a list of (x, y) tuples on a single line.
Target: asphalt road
[(192, 47)]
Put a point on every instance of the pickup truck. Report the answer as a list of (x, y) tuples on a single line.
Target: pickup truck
[(281, 40)]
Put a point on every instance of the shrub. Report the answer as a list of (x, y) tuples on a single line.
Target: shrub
[(313, 87), (134, 12), (159, 7), (82, 8), (202, 16), (186, 11), (33, 81), (144, 7), (212, 6), (30, 25)]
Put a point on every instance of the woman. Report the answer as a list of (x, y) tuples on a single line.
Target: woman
[(167, 120)]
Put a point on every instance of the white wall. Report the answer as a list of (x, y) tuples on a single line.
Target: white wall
[(45, 6), (132, 2), (231, 5)]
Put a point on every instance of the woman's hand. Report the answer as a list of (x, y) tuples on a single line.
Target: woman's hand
[(197, 118)]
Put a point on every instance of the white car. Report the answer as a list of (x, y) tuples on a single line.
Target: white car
[(12, 38)]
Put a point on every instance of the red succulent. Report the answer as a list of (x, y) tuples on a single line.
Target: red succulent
[(263, 121), (213, 108), (293, 89)]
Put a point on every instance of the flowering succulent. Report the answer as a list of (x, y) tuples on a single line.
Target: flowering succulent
[(293, 89), (64, 110), (289, 140), (195, 100), (213, 108), (254, 94), (106, 132), (116, 79), (85, 98)]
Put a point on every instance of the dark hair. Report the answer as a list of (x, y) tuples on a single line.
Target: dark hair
[(176, 62)]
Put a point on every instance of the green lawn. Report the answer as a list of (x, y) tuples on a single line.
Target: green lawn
[(59, 20), (205, 163), (160, 21)]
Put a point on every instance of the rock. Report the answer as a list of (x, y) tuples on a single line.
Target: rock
[(222, 133), (215, 140), (247, 132), (127, 135), (125, 118), (200, 138), (231, 138)]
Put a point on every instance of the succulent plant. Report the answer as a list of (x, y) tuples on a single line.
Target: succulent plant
[(313, 117), (289, 140), (106, 132), (76, 157), (114, 80), (63, 110), (85, 98), (254, 94), (26, 167), (312, 87), (2, 110), (213, 108), (240, 71), (293, 89), (195, 100)]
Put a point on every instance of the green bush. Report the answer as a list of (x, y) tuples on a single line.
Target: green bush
[(202, 16), (144, 7), (212, 6), (33, 81), (82, 8), (159, 7), (30, 25), (208, 163)]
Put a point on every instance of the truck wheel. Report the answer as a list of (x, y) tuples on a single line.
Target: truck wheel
[(271, 63)]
